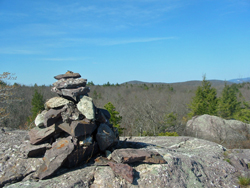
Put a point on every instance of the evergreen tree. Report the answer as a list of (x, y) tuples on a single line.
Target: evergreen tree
[(37, 104), (205, 100), (115, 117), (228, 104)]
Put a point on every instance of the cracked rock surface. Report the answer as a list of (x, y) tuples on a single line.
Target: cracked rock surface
[(190, 162)]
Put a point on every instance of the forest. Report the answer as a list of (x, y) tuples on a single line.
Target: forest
[(144, 109)]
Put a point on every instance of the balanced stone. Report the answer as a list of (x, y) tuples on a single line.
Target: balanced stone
[(68, 74), (86, 107), (56, 102), (81, 128), (70, 83), (52, 116), (38, 135), (39, 121), (105, 137), (55, 157), (74, 93)]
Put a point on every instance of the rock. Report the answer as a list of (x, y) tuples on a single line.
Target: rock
[(38, 135), (86, 107), (74, 93), (105, 113), (39, 121), (123, 170), (35, 150), (105, 137), (231, 133), (71, 113), (70, 83), (56, 102), (191, 162), (55, 157), (100, 118), (52, 116), (82, 128), (136, 155), (68, 74), (81, 154)]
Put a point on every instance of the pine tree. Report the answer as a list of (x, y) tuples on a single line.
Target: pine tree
[(37, 104), (205, 100), (228, 104), (115, 117)]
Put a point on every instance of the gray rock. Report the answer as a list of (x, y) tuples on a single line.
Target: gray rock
[(105, 113), (81, 154), (105, 137), (52, 116), (71, 113), (191, 162), (86, 107), (68, 74), (70, 83), (231, 133), (55, 157), (82, 128), (35, 150), (123, 170), (129, 155), (38, 135), (56, 102), (39, 121), (75, 93)]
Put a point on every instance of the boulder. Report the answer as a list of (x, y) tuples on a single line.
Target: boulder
[(55, 157), (86, 107), (105, 137), (137, 155), (38, 135), (70, 83), (56, 102), (231, 133), (39, 121), (67, 75)]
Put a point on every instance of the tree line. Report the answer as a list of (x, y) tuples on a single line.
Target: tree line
[(140, 109)]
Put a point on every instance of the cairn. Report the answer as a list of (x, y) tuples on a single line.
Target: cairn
[(71, 129)]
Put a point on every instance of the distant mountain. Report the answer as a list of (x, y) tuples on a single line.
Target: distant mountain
[(240, 80)]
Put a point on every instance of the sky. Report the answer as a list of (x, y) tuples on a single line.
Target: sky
[(118, 41)]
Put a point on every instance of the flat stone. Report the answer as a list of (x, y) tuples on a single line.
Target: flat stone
[(38, 135), (39, 121), (123, 170), (35, 150), (68, 74), (55, 157), (52, 116), (86, 107), (81, 154), (70, 83), (65, 127), (137, 155), (56, 102), (75, 93), (105, 137), (82, 127)]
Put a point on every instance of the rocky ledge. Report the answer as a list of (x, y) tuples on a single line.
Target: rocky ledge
[(188, 162)]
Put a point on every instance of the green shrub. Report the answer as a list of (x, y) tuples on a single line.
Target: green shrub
[(168, 134), (244, 180)]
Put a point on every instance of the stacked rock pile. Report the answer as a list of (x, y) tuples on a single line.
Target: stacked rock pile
[(71, 129)]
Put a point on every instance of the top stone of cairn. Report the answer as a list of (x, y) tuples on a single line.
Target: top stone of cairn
[(68, 74)]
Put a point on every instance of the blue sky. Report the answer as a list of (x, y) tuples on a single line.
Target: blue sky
[(123, 40)]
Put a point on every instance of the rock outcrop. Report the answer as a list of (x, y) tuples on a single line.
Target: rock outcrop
[(190, 162), (230, 133)]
